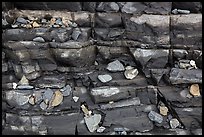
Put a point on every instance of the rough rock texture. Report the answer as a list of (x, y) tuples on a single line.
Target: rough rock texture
[(64, 49)]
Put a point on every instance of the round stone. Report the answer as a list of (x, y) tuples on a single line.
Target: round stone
[(131, 73), (194, 90), (58, 98), (115, 66), (38, 39)]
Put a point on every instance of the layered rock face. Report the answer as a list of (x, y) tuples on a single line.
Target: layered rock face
[(102, 68)]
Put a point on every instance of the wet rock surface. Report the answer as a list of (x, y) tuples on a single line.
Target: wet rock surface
[(102, 68)]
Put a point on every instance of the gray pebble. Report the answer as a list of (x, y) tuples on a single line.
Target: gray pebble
[(75, 34), (43, 21), (48, 94), (66, 91), (174, 123), (43, 106), (21, 20), (38, 39), (58, 21), (25, 87), (115, 66), (105, 78), (156, 117)]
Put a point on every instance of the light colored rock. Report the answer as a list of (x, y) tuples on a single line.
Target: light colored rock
[(183, 11), (66, 91), (92, 122), (193, 64), (58, 98), (100, 129), (32, 100), (14, 85), (23, 81), (130, 72), (39, 39), (194, 90), (35, 25), (174, 123), (43, 106), (105, 78), (115, 66), (154, 116), (25, 87), (21, 20), (75, 98), (163, 110)]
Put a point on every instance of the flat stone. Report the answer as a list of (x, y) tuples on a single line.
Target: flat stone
[(107, 93), (21, 20), (100, 129), (92, 122), (25, 87), (38, 39), (130, 73), (105, 78), (58, 98), (194, 90), (174, 123), (48, 94), (66, 91), (43, 106), (124, 103), (108, 7), (154, 116), (115, 66), (179, 76), (151, 58)]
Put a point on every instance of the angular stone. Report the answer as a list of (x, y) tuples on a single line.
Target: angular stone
[(151, 58), (147, 29), (174, 123), (28, 67), (38, 39), (100, 129), (108, 20), (105, 78), (186, 33), (75, 98), (51, 81), (76, 33), (108, 7), (21, 20), (106, 94), (115, 66), (78, 54), (47, 95), (82, 19), (163, 110), (33, 75), (130, 72), (154, 116), (157, 74), (124, 103), (43, 106), (147, 7), (61, 34), (179, 76), (92, 122), (66, 91)]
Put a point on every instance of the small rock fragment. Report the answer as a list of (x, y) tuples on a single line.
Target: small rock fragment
[(105, 78), (163, 110), (100, 129), (58, 98), (43, 106), (92, 122), (154, 116), (193, 64), (115, 66), (14, 26), (183, 11), (43, 21), (130, 72), (85, 110), (66, 91), (23, 81), (25, 87), (76, 34), (39, 39), (96, 63), (48, 94), (35, 25), (32, 100), (194, 90), (174, 123), (75, 98), (52, 21), (14, 85), (21, 20)]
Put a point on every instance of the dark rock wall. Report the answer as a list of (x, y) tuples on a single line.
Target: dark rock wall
[(145, 35)]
